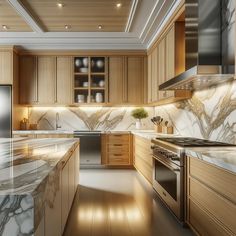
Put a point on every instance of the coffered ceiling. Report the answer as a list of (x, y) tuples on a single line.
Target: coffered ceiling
[(11, 20), (80, 15), (83, 24)]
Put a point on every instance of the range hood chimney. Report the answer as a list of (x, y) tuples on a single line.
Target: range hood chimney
[(209, 45)]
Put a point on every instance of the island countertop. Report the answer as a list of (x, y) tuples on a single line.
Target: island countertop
[(29, 170)]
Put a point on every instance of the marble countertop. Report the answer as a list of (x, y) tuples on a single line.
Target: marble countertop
[(25, 163), (223, 157), (41, 132)]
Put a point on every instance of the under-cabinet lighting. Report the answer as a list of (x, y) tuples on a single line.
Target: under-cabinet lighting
[(99, 27)]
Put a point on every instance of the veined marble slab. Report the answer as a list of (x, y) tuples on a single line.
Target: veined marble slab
[(221, 157), (29, 177), (22, 132)]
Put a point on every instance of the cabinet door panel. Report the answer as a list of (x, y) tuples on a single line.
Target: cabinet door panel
[(6, 67), (53, 215), (28, 79), (64, 80), (170, 57), (64, 195), (149, 85), (162, 66), (116, 79), (71, 163), (135, 79), (46, 79), (155, 75)]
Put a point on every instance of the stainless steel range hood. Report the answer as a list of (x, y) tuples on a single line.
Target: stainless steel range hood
[(209, 45)]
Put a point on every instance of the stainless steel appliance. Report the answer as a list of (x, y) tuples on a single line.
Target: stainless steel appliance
[(168, 169), (5, 111), (209, 45), (90, 148)]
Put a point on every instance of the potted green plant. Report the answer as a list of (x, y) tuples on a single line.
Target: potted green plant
[(139, 114)]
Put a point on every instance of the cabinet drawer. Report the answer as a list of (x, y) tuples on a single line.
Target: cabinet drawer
[(118, 138), (118, 159), (216, 178), (118, 148), (222, 209), (202, 223)]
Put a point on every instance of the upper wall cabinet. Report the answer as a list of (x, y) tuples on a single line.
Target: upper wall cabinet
[(126, 76), (116, 79), (64, 75), (46, 79), (166, 61), (6, 67), (28, 80), (90, 80)]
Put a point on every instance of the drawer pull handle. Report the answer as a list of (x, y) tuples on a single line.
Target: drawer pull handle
[(117, 155), (164, 194), (118, 145)]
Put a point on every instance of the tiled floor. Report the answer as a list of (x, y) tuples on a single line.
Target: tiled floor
[(119, 203)]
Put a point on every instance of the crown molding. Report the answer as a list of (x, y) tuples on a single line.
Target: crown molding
[(141, 39), (131, 15)]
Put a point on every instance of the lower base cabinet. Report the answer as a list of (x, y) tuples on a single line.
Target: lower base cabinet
[(55, 214), (211, 199), (117, 149), (143, 160)]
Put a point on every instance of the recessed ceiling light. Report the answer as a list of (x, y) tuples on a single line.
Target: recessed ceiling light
[(118, 5), (5, 27), (99, 27), (59, 4), (67, 27)]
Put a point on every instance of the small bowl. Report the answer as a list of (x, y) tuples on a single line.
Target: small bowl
[(83, 70)]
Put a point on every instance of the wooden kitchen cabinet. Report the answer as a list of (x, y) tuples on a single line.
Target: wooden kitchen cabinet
[(64, 77), (52, 213), (135, 77), (46, 69), (116, 79), (168, 63), (117, 149), (143, 160), (6, 66), (64, 195), (211, 204), (126, 76), (71, 182), (28, 80)]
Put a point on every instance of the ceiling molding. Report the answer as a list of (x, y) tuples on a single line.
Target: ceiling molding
[(161, 26), (22, 11), (131, 15), (150, 22)]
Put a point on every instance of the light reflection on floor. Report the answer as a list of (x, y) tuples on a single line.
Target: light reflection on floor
[(119, 202)]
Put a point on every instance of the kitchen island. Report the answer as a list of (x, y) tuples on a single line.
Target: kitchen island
[(38, 181)]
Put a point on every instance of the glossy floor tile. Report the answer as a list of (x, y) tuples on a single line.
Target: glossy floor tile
[(119, 203)]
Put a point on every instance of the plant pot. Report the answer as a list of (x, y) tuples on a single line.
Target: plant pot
[(138, 124)]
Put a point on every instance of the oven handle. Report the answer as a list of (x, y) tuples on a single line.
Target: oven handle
[(164, 163)]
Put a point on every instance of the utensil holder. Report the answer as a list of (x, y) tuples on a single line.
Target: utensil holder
[(170, 130), (159, 128)]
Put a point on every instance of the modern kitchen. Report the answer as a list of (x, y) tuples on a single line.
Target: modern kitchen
[(117, 117)]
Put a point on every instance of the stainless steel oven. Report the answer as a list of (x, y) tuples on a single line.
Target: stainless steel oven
[(168, 182), (168, 168)]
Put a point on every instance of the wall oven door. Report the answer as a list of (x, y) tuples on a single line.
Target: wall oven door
[(168, 183)]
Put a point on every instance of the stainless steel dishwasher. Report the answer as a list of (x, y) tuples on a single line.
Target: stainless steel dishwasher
[(90, 148)]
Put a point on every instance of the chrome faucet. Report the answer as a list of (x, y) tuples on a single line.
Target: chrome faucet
[(57, 121)]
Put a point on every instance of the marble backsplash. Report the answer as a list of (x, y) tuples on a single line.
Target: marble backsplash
[(87, 118), (210, 114)]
